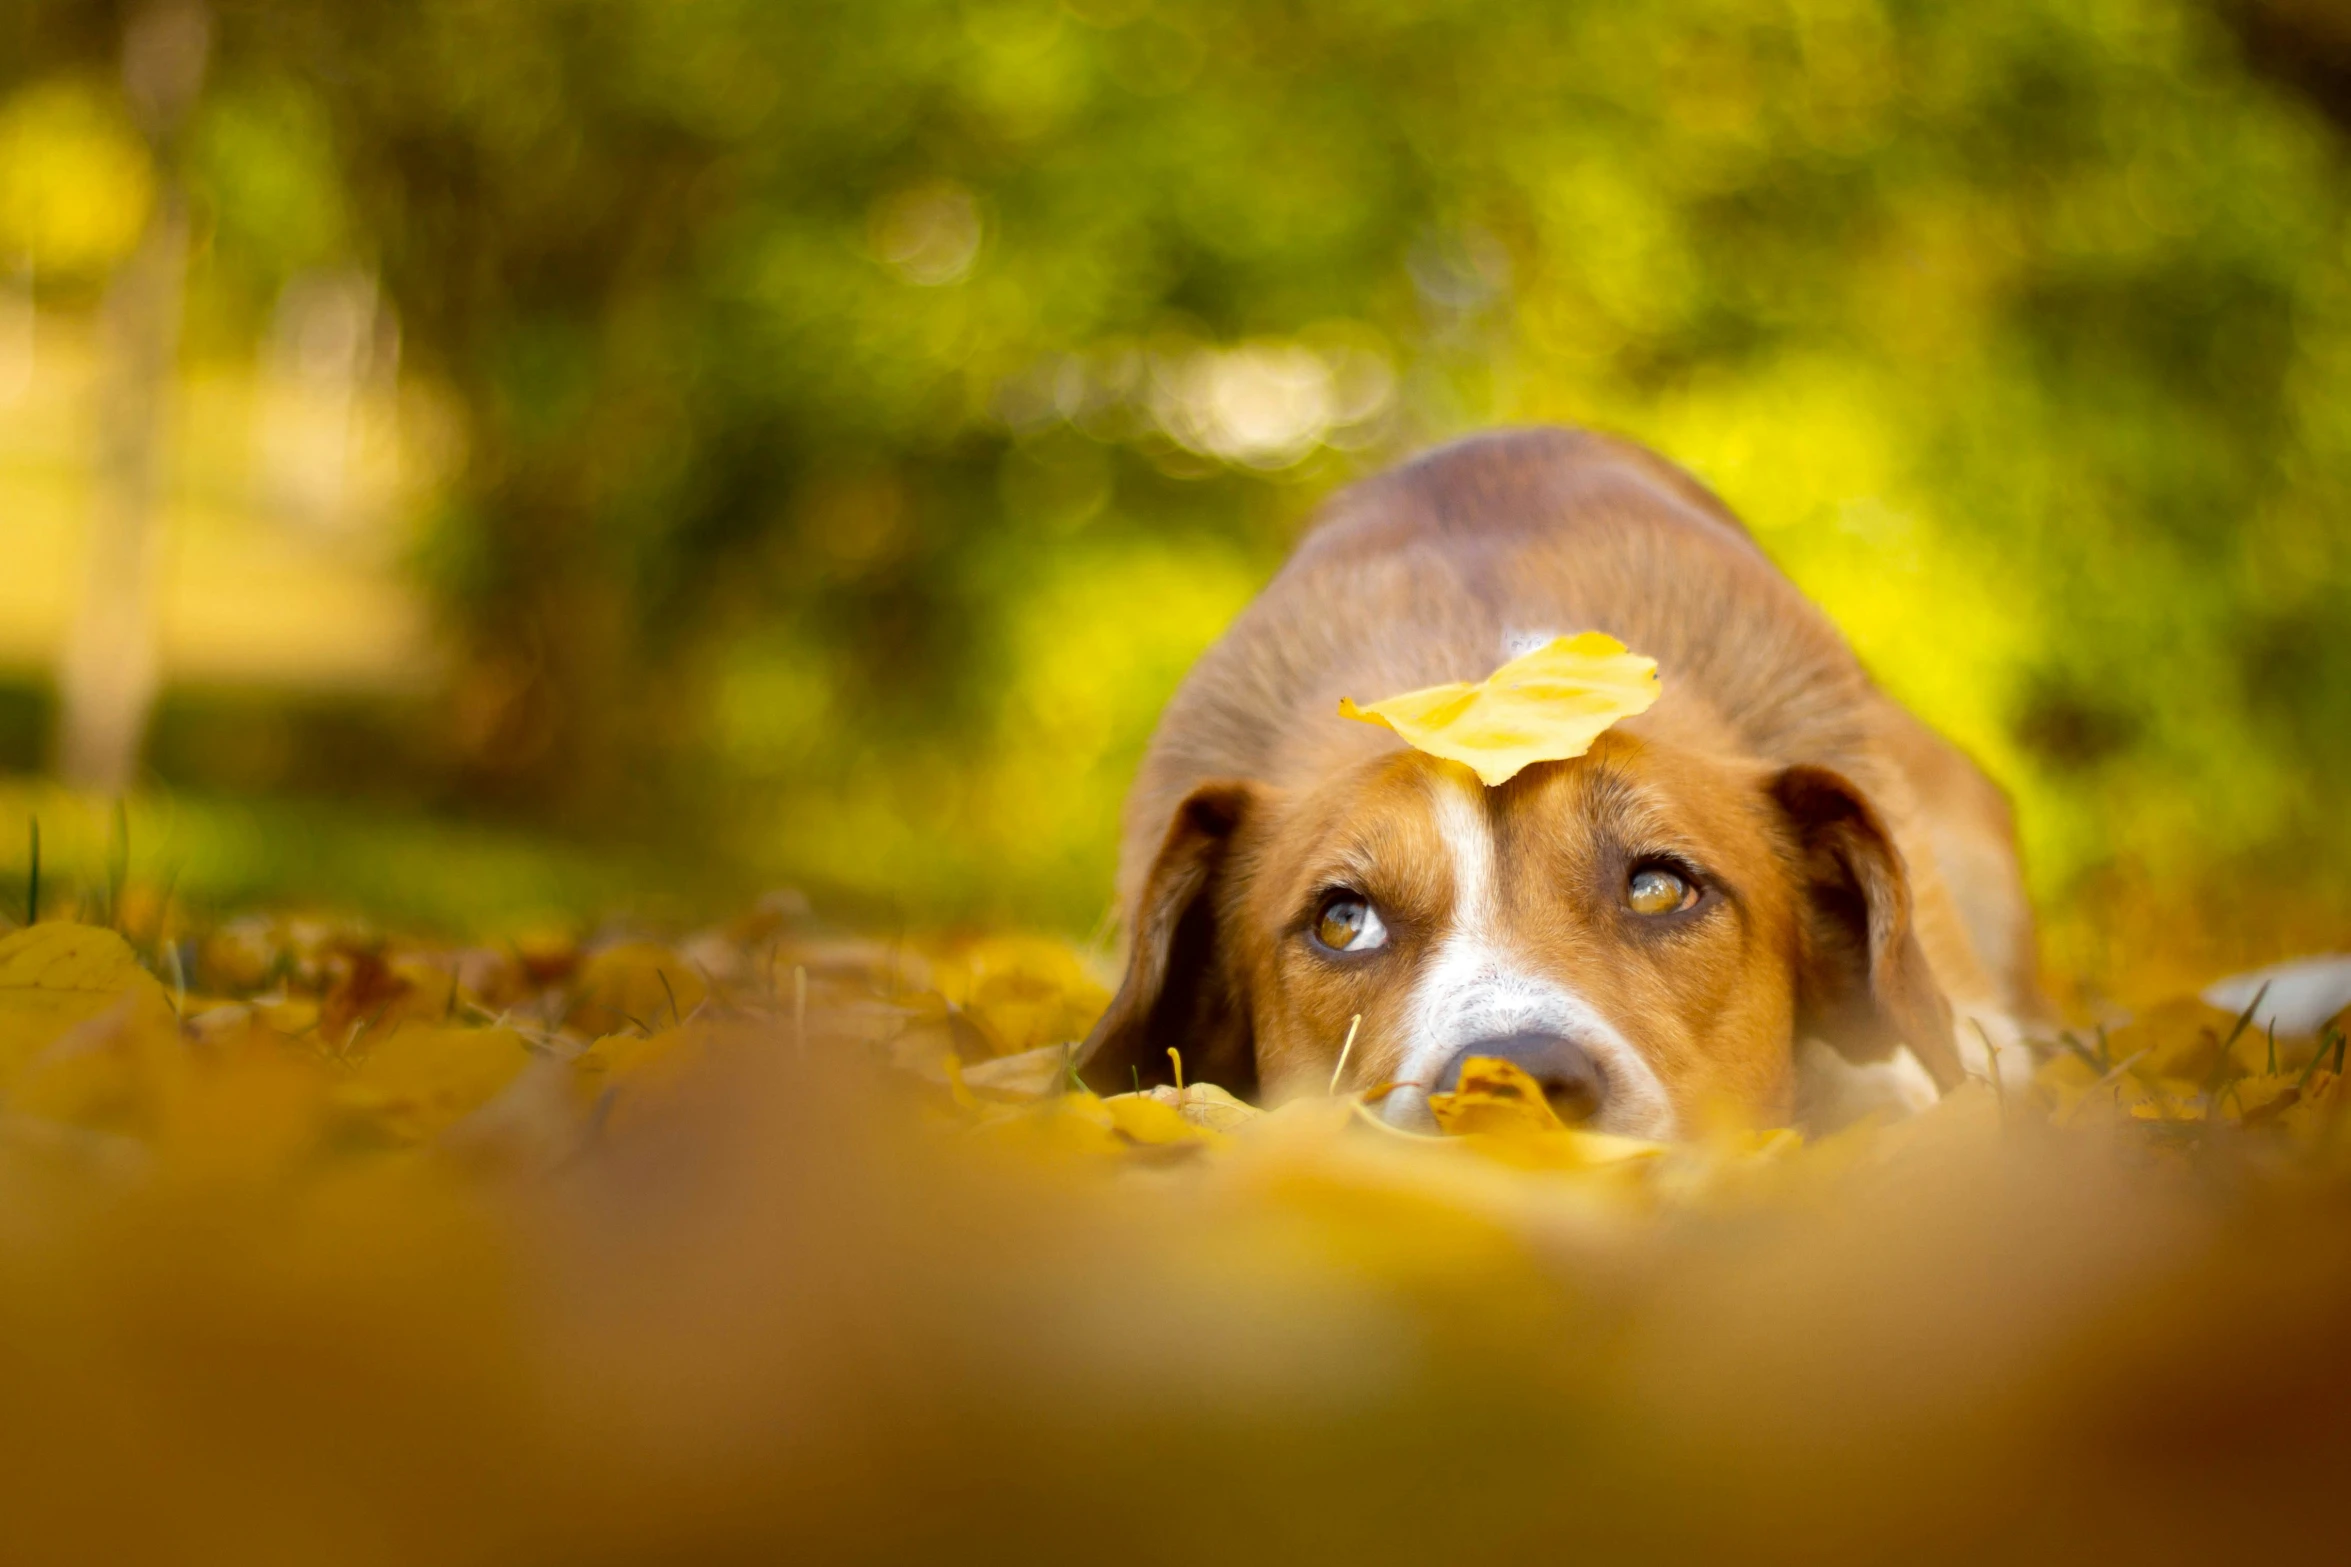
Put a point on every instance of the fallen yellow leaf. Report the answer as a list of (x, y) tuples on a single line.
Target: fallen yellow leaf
[(1544, 706), (417, 1080), (1149, 1120), (1494, 1095), (637, 984), (1020, 993), (57, 976), (644, 1068), (1163, 1114)]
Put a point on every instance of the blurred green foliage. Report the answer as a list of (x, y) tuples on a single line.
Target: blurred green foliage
[(870, 408)]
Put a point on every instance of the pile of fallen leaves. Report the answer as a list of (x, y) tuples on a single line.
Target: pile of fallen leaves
[(318, 1245)]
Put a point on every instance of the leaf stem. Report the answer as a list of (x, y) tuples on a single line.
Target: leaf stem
[(1345, 1050)]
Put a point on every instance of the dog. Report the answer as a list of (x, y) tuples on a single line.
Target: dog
[(1775, 864)]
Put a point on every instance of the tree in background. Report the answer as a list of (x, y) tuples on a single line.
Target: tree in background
[(107, 679)]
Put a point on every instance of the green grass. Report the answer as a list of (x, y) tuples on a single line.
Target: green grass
[(216, 854)]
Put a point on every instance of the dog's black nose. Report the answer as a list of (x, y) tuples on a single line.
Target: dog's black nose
[(1570, 1078)]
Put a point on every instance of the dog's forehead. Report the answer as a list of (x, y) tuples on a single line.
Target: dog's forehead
[(1635, 790), (1404, 825), (1374, 826)]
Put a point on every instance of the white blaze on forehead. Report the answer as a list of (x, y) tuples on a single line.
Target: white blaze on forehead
[(1472, 987), (1468, 835)]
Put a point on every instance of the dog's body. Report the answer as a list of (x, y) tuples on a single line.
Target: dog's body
[(1847, 874)]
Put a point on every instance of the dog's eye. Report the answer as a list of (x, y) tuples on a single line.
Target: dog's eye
[(1347, 923), (1654, 889)]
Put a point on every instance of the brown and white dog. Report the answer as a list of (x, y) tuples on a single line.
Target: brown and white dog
[(1775, 853)]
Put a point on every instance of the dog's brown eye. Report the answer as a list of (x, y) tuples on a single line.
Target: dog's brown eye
[(1656, 890), (1348, 923)]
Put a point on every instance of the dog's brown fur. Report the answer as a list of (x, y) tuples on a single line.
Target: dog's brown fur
[(1864, 871)]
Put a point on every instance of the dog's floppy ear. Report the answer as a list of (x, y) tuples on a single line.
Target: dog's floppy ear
[(1863, 984), (1180, 990)]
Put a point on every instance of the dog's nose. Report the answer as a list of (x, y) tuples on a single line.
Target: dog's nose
[(1570, 1078)]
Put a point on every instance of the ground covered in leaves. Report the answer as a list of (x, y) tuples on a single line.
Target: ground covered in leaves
[(321, 1245)]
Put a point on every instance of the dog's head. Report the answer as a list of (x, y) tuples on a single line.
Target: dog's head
[(1646, 929)]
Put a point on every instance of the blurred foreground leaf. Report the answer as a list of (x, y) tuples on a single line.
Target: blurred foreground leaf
[(56, 977), (470, 1279)]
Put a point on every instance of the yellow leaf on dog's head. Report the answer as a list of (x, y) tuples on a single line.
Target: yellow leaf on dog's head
[(1544, 706)]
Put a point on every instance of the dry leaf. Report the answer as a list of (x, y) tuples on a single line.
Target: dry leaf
[(1149, 1120), (418, 1079), (643, 1067), (1020, 992), (1544, 706), (1201, 1105), (636, 985), (1028, 1075), (55, 977), (1494, 1095)]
